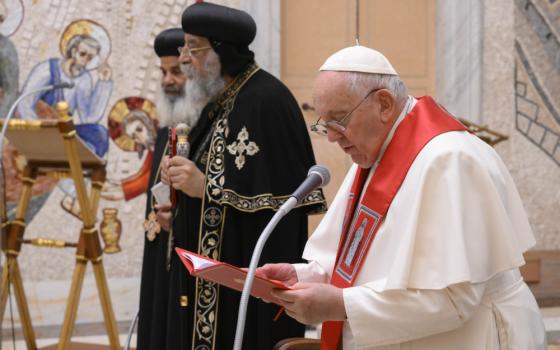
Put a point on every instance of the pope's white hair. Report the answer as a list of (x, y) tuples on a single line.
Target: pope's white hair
[(361, 83)]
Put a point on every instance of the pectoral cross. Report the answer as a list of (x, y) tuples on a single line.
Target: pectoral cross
[(152, 226)]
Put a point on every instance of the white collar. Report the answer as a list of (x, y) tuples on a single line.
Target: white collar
[(409, 105)]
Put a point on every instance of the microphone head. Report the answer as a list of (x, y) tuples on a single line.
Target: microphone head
[(323, 173)]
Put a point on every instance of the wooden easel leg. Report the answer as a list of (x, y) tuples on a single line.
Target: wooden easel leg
[(23, 308), (94, 249), (88, 244), (6, 274), (105, 298), (72, 305), (11, 275), (97, 181)]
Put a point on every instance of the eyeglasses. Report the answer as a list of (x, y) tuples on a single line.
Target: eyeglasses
[(320, 127), (189, 51)]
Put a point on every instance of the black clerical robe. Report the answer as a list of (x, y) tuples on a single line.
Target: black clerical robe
[(254, 148), (155, 276)]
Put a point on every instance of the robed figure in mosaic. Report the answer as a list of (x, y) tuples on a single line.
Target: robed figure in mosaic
[(85, 47), (9, 67), (248, 152)]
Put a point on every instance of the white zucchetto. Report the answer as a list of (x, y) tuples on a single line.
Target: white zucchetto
[(358, 59)]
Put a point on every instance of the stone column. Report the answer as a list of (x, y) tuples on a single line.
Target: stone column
[(459, 57)]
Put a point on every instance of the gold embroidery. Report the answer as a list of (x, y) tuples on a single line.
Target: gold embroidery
[(215, 174), (241, 147), (266, 201), (207, 294), (212, 218)]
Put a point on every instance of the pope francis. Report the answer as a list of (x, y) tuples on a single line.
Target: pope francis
[(421, 246)]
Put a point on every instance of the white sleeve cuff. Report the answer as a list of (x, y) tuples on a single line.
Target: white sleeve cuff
[(311, 272)]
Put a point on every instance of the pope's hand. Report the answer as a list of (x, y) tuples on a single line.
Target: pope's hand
[(312, 303), (185, 176), (283, 272), (163, 215)]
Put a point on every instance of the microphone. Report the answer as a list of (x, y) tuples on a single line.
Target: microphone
[(318, 176)]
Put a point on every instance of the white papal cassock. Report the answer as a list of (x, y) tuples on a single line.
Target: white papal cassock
[(442, 272)]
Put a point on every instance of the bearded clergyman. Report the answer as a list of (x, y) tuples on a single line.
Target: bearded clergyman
[(249, 151), (171, 104)]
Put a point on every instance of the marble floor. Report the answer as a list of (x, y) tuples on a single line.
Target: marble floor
[(7, 343), (551, 318)]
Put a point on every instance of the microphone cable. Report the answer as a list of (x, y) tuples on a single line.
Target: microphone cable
[(131, 330)]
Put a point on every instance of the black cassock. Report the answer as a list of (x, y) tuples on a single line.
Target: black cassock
[(155, 276), (253, 146)]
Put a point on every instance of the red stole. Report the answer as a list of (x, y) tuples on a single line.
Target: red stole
[(426, 121)]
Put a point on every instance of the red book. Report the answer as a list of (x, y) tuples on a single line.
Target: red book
[(227, 275)]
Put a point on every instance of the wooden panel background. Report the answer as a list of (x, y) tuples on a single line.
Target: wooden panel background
[(314, 29)]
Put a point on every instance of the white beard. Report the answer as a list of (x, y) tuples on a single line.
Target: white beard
[(171, 109), (203, 88), (199, 90)]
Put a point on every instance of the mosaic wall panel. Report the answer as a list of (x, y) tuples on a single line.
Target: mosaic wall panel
[(521, 98), (105, 48), (537, 74)]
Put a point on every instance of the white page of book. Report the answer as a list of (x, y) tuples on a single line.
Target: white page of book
[(198, 263)]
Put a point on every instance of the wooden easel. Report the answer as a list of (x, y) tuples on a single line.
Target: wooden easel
[(56, 150)]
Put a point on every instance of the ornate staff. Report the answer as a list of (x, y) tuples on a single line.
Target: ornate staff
[(179, 146)]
